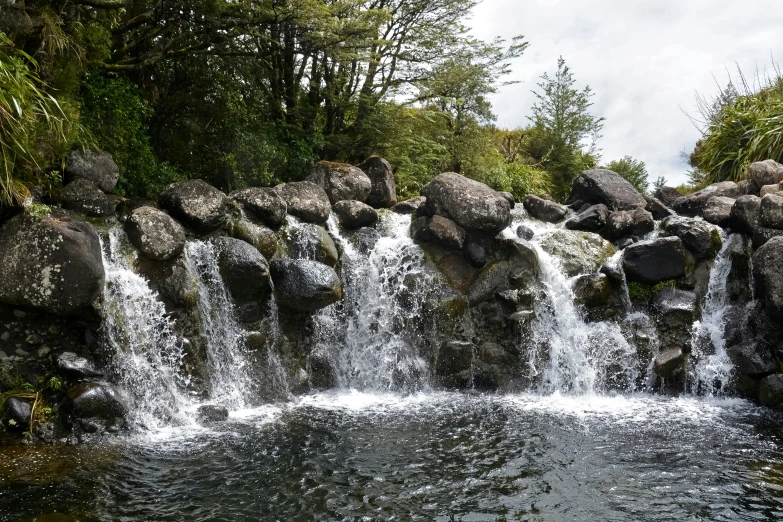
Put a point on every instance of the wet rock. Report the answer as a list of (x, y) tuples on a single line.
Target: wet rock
[(262, 238), (323, 369), (355, 214), (53, 264), (658, 209), (211, 413), (674, 311), (454, 357), (341, 181), (667, 195), (383, 192), (17, 412), (94, 166), (476, 254), (245, 273), (492, 278), (458, 271), (693, 204), (97, 403), (753, 358), (263, 203), (654, 260), (745, 214), (155, 234), (771, 391), (772, 211), (409, 206), (75, 367), (768, 172), (305, 285), (510, 198), (446, 232), (591, 220), (606, 187), (543, 210), (768, 277), (525, 233), (578, 252), (669, 362), (470, 204), (306, 200), (200, 206), (592, 290), (523, 262), (718, 210), (365, 239), (310, 241), (81, 195), (701, 238), (763, 234), (637, 222)]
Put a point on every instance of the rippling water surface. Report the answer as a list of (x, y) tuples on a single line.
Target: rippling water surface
[(436, 456)]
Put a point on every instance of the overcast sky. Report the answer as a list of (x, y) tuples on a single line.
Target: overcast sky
[(644, 60)]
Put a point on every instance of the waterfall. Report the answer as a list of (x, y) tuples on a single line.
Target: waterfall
[(144, 352), (229, 373), (383, 293)]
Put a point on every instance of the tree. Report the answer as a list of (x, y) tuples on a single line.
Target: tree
[(658, 184), (565, 131), (634, 171)]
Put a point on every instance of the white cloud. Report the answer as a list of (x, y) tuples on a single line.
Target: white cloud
[(645, 60)]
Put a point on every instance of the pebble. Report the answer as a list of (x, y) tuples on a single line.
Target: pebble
[(20, 314), (34, 340), (5, 336), (44, 351), (54, 330), (22, 353)]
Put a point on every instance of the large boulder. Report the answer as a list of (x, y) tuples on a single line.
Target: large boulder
[(305, 285), (263, 203), (767, 275), (745, 214), (245, 273), (578, 252), (667, 195), (311, 241), (771, 391), (446, 232), (753, 358), (81, 195), (624, 223), (306, 200), (770, 189), (693, 204), (52, 264), (199, 205), (669, 362), (155, 234), (355, 214), (92, 165), (341, 181), (718, 210), (472, 205), (591, 220), (96, 405), (76, 367), (383, 193), (772, 211), (262, 238), (674, 311), (409, 206), (543, 209), (768, 172), (763, 234), (699, 237), (656, 207), (654, 260), (607, 187)]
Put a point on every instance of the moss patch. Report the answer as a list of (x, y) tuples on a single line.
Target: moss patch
[(644, 292)]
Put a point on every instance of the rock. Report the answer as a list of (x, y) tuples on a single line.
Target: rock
[(341, 181), (200, 206), (526, 233), (306, 200), (699, 237), (579, 252), (323, 369), (263, 203), (769, 189), (748, 186), (592, 290), (73, 366), (259, 236), (365, 239), (475, 254), (768, 172), (658, 209), (383, 192), (81, 195), (606, 187), (454, 357), (492, 278), (17, 411), (745, 214), (355, 214), (310, 241), (654, 260), (637, 222), (543, 210), (458, 271), (768, 277), (693, 204), (245, 273), (211, 413), (523, 263), (52, 264), (94, 166), (771, 391), (591, 220), (752, 358), (446, 232), (718, 210), (155, 233), (763, 234), (667, 195), (510, 198), (669, 362), (305, 285), (772, 211), (97, 403), (409, 206), (674, 311), (470, 204)]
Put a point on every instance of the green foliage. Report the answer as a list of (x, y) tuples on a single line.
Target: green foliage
[(39, 210), (56, 384), (644, 292), (634, 171), (658, 184)]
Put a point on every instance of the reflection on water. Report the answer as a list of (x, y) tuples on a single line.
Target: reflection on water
[(434, 456)]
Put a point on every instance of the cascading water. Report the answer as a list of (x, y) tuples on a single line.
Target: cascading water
[(144, 353), (383, 288)]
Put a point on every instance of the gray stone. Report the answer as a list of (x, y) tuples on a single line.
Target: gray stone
[(446, 232), (383, 193), (17, 411), (454, 357), (593, 219), (245, 273), (211, 413), (543, 210), (745, 214), (607, 187), (92, 165), (667, 195), (768, 172), (306, 200), (355, 214), (470, 204), (262, 238), (771, 391), (669, 362), (409, 206), (525, 233), (578, 252), (656, 207), (718, 210), (5, 336), (155, 233), (693, 204), (772, 211), (753, 358), (76, 367), (263, 203), (769, 189), (763, 234), (341, 181), (637, 222), (311, 241), (305, 285), (768, 276), (81, 195), (699, 237), (748, 187), (201, 207), (654, 260), (97, 403), (365, 239)]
